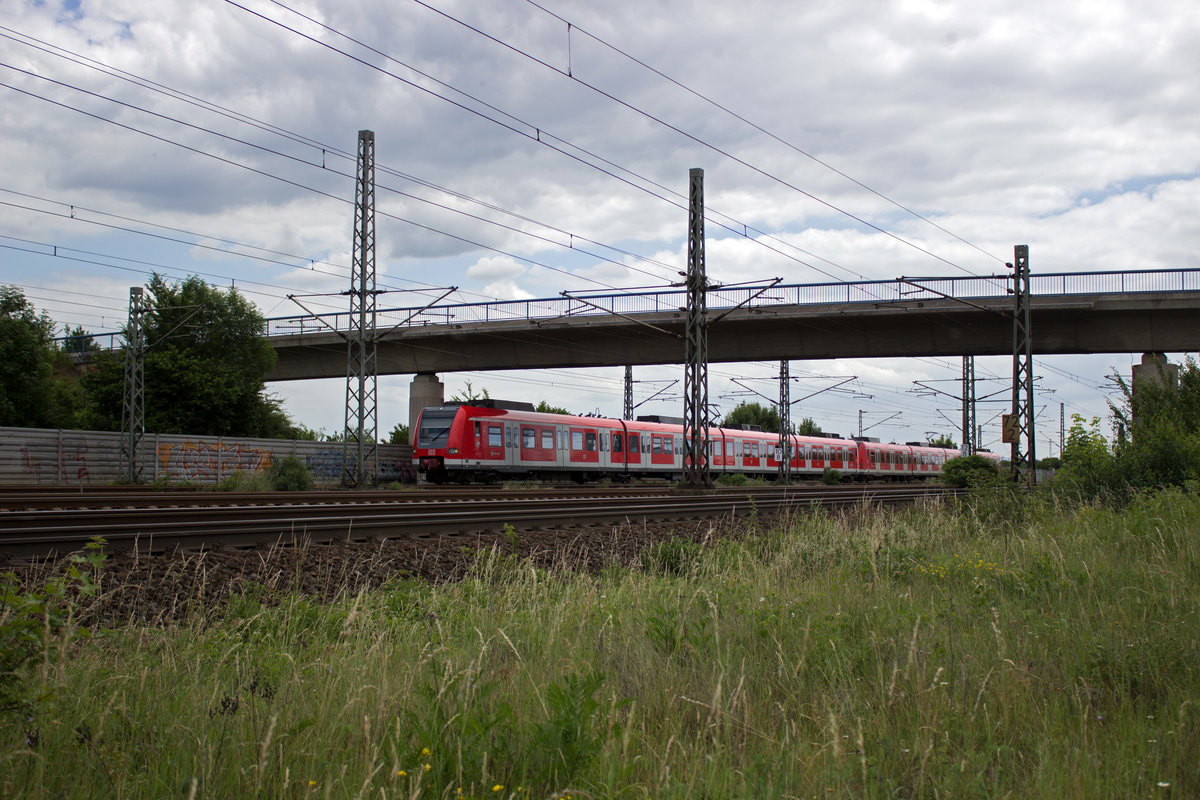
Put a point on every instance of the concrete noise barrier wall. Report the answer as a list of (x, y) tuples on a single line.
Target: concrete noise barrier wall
[(82, 458)]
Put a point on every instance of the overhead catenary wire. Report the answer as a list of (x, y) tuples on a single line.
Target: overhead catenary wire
[(305, 162), (754, 125), (298, 185), (687, 134), (325, 149), (533, 133)]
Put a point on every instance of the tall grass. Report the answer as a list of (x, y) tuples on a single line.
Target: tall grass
[(971, 650)]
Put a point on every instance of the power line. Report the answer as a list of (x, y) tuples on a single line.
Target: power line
[(686, 134), (755, 126), (325, 149), (288, 156), (534, 133), (298, 185)]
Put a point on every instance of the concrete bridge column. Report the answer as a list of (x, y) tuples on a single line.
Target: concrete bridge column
[(425, 390)]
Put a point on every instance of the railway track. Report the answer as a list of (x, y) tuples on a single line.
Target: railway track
[(47, 498), (269, 519)]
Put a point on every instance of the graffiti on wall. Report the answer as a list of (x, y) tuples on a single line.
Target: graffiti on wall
[(332, 464), (30, 463), (329, 464), (40, 463), (74, 456), (204, 462)]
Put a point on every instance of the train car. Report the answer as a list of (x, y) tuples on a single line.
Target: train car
[(494, 439)]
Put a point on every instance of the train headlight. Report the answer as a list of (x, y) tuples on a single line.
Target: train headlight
[(453, 451)]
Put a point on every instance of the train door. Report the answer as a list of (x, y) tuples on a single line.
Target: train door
[(818, 457), (489, 440), (750, 455), (512, 442), (718, 450), (616, 447), (562, 456), (585, 446), (633, 449)]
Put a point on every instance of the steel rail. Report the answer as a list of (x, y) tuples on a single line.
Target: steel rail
[(59, 497), (39, 534)]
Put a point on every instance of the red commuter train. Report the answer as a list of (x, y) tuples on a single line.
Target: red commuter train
[(490, 439)]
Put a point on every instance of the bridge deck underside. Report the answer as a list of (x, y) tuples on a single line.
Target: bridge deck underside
[(1162, 322)]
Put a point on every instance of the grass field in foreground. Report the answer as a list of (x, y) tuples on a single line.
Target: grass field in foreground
[(971, 650)]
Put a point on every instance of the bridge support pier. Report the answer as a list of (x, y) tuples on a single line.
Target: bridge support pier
[(425, 390)]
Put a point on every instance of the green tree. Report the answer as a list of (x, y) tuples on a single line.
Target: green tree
[(205, 363), (468, 395), (809, 427), (399, 434), (37, 381), (766, 418), (1089, 468), (943, 441), (546, 408)]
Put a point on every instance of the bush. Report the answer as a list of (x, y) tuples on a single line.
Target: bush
[(31, 618), (732, 479), (968, 471), (831, 477), (290, 474)]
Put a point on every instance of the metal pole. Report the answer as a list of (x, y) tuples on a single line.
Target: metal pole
[(628, 413), (133, 405), (969, 443), (1022, 388), (361, 351), (696, 470), (785, 423)]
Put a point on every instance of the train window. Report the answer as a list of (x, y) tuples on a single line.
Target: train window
[(547, 438), (495, 436), (508, 430), (576, 440), (603, 444), (668, 442), (618, 445), (633, 442), (478, 436), (589, 443), (656, 445), (434, 430), (528, 438)]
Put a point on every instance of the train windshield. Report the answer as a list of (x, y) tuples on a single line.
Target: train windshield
[(435, 428)]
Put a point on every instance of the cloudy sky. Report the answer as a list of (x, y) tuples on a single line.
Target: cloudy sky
[(525, 147)]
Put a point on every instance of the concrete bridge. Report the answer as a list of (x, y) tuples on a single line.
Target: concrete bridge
[(1095, 312)]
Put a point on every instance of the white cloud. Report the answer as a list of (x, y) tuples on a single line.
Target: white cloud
[(1073, 127)]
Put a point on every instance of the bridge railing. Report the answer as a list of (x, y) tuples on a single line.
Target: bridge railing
[(593, 304), (675, 300)]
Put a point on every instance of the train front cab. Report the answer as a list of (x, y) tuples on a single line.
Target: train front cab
[(436, 429)]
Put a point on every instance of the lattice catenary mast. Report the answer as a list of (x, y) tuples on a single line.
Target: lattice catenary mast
[(969, 443), (362, 410), (696, 470), (1021, 421), (133, 404)]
